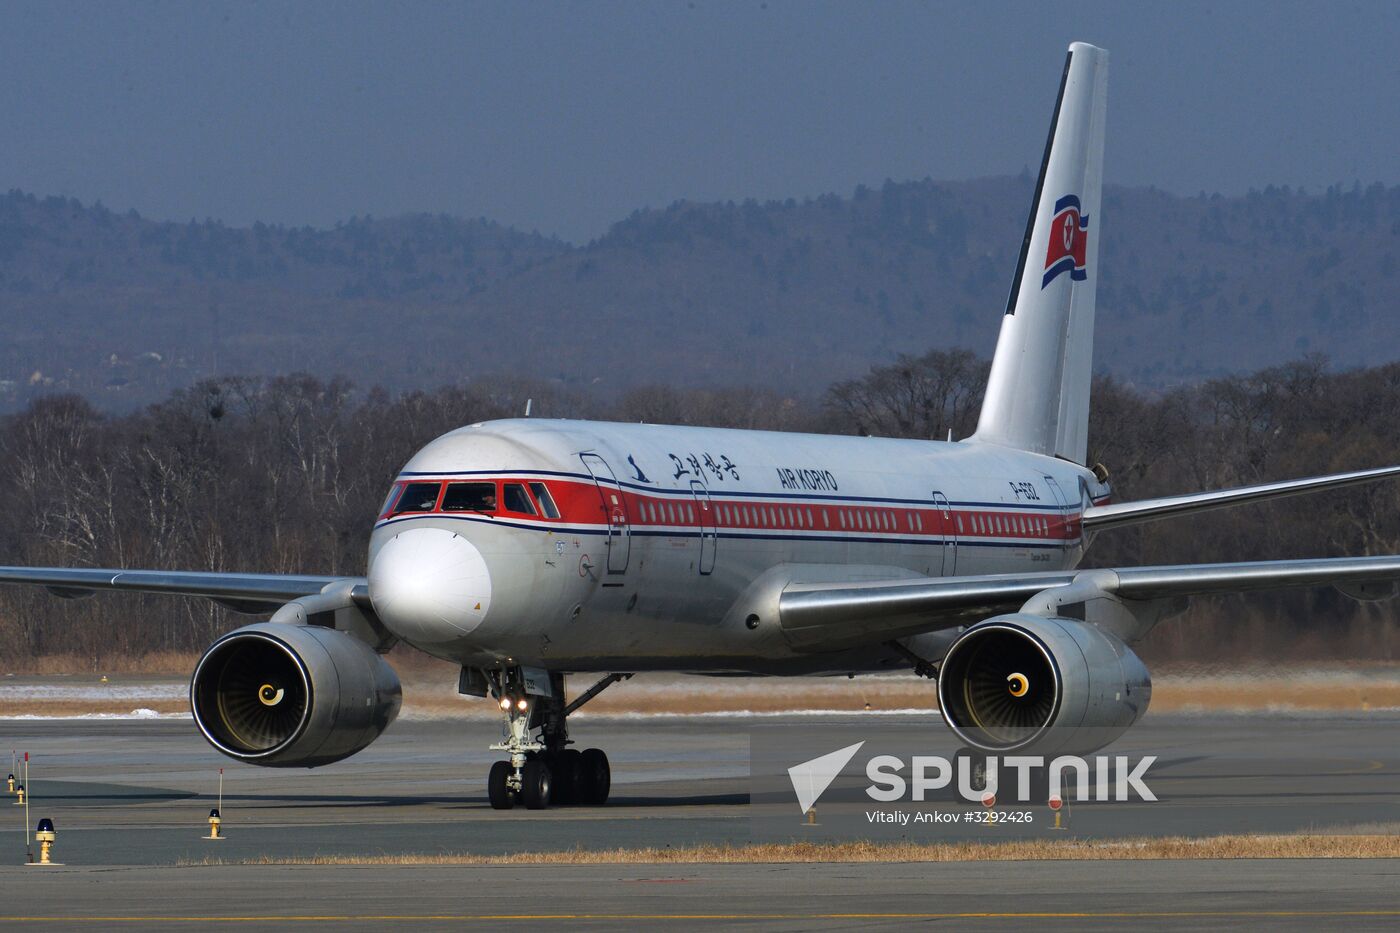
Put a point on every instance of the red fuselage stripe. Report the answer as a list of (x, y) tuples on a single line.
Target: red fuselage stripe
[(581, 502)]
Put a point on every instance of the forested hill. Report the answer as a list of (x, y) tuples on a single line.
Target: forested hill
[(789, 295)]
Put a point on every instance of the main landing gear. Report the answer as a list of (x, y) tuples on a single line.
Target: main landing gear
[(542, 769)]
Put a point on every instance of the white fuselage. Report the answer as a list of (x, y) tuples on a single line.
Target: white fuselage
[(661, 531)]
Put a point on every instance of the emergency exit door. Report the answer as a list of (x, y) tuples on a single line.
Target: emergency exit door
[(949, 533), (705, 515)]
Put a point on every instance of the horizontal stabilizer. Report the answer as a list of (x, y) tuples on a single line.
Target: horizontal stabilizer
[(1150, 510)]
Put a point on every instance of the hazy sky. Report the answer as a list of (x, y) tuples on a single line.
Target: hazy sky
[(567, 116)]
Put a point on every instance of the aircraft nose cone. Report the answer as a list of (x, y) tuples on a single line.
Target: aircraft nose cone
[(428, 583)]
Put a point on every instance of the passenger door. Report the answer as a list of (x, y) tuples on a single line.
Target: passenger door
[(614, 505)]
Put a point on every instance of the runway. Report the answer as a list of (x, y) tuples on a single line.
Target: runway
[(982, 896), (130, 800)]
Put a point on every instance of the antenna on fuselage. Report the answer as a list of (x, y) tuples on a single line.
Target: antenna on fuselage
[(528, 403)]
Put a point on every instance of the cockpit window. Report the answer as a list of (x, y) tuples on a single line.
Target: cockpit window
[(517, 499), (546, 501), (418, 497), (394, 491), (470, 497)]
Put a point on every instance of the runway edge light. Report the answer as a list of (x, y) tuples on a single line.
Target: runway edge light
[(44, 835), (1056, 804), (216, 819)]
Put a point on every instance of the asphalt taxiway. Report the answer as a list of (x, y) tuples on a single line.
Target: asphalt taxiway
[(130, 800)]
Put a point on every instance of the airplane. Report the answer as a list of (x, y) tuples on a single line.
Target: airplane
[(526, 550)]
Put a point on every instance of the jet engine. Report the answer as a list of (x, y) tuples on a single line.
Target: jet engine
[(1041, 685), (292, 695)]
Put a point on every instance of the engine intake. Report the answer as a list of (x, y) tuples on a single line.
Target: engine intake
[(1035, 684), (292, 695)]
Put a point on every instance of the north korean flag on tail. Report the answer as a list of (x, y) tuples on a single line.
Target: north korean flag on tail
[(1069, 238)]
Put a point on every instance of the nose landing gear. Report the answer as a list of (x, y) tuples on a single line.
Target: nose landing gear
[(543, 770)]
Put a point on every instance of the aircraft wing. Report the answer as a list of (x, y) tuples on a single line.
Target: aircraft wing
[(243, 592), (830, 616), (1148, 510)]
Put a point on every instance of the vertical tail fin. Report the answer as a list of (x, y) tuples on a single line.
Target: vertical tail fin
[(1038, 393)]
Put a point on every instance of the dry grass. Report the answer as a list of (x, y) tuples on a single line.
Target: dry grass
[(1212, 847), (155, 664), (430, 693)]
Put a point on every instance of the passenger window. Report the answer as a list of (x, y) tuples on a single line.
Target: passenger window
[(516, 499), (469, 497), (690, 514), (826, 518), (418, 497), (546, 501)]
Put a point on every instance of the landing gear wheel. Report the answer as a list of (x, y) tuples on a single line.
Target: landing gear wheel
[(565, 767), (976, 765), (536, 785), (595, 777), (499, 792), (1040, 786)]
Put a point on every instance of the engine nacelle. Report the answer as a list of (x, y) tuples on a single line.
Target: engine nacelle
[(292, 695), (1039, 685)]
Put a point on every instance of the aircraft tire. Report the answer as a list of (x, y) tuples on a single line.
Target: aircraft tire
[(566, 768), (977, 763), (497, 790), (537, 785), (595, 777)]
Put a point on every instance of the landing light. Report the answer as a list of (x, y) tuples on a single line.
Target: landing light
[(505, 703), (523, 705)]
